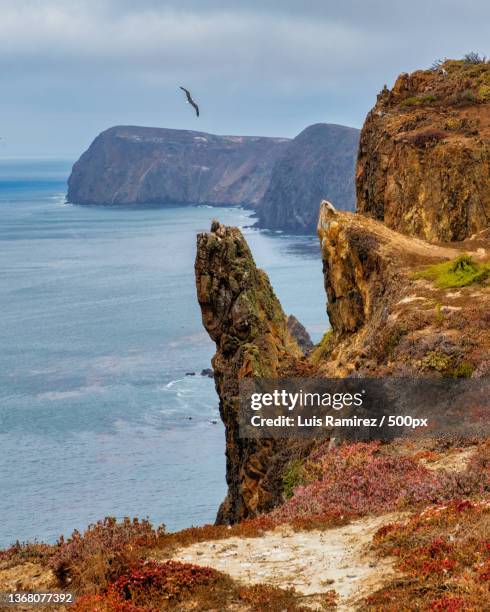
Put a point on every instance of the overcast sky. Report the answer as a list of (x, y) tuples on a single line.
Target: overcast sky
[(72, 68)]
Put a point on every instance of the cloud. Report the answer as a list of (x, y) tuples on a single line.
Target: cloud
[(259, 66), (166, 42)]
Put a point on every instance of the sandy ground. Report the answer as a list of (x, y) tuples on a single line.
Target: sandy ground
[(314, 562), (455, 460)]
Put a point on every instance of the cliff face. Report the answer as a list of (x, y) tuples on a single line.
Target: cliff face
[(319, 163), (399, 305), (244, 318), (134, 165), (388, 321), (424, 154), (385, 322)]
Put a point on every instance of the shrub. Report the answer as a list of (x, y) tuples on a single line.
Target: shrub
[(422, 100), (458, 272), (152, 583), (172, 585), (266, 598), (474, 58), (437, 64), (292, 478), (33, 552), (322, 349), (357, 479), (438, 361), (439, 317), (412, 101), (461, 98), (463, 370), (444, 552), (89, 562), (484, 92)]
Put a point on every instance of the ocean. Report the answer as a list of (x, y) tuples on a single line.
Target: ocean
[(99, 326)]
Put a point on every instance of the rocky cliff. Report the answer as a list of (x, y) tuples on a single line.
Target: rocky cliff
[(424, 156), (399, 305), (135, 165), (387, 319), (319, 163), (245, 319)]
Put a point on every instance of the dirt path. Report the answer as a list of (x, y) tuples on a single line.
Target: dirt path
[(312, 561)]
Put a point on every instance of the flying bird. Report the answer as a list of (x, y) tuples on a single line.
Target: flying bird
[(190, 100)]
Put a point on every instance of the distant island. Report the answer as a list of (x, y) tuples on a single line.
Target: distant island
[(143, 165), (318, 164)]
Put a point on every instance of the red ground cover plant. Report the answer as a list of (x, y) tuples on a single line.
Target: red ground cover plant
[(358, 479), (170, 581), (444, 555), (350, 481), (88, 562), (172, 585)]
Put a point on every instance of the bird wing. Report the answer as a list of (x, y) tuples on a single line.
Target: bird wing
[(196, 107), (187, 93), (190, 100)]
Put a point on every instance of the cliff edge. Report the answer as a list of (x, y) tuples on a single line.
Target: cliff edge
[(424, 153), (406, 277), (246, 321), (142, 165)]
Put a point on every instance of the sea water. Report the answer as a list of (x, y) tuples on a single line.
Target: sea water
[(99, 325)]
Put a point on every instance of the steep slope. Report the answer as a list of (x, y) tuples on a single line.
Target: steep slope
[(424, 154), (386, 321), (244, 318), (319, 163), (134, 165)]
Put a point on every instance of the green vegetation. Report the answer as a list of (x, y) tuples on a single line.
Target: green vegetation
[(463, 370), (459, 272), (484, 92), (439, 318), (439, 362), (293, 477), (322, 348), (444, 364), (394, 337), (419, 100)]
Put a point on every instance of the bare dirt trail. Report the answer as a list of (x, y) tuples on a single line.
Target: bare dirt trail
[(313, 562)]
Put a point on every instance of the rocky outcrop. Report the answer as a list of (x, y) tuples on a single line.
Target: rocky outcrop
[(319, 163), (385, 320), (299, 333), (139, 165), (424, 154), (389, 317), (244, 318)]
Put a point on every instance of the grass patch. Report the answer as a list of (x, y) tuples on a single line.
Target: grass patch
[(292, 478), (439, 318), (459, 272)]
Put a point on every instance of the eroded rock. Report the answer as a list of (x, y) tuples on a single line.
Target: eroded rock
[(424, 154), (245, 319)]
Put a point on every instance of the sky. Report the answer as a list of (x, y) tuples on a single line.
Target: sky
[(71, 68)]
